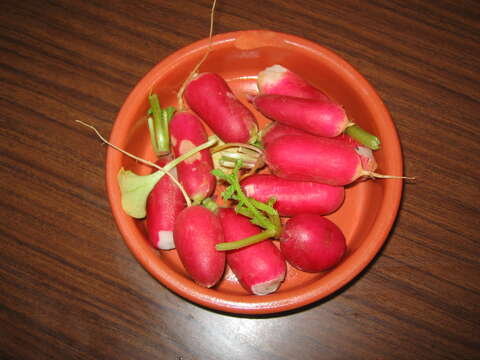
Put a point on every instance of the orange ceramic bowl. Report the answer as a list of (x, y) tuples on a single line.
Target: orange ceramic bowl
[(370, 207)]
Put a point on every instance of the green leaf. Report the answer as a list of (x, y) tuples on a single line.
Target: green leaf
[(135, 189), (240, 206), (228, 192), (220, 174)]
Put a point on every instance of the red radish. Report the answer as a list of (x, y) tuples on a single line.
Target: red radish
[(275, 130), (294, 197), (187, 132), (197, 231), (318, 159), (260, 267), (278, 80), (281, 81), (164, 203), (316, 117), (210, 97), (312, 243)]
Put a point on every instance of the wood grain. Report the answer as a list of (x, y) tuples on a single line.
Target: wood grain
[(70, 289)]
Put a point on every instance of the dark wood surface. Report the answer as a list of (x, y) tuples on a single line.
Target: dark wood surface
[(70, 288)]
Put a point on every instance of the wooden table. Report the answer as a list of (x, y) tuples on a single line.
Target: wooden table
[(70, 289)]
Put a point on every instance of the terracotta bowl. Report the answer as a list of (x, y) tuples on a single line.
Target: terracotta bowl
[(370, 207)]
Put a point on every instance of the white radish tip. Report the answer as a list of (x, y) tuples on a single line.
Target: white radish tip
[(270, 75), (165, 240), (269, 286), (276, 69)]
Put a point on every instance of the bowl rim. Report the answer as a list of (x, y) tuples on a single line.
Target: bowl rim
[(267, 304)]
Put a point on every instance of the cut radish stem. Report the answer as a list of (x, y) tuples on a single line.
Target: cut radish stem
[(158, 126), (347, 140), (225, 157)]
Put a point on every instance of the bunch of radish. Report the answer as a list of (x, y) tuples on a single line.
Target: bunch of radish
[(311, 151)]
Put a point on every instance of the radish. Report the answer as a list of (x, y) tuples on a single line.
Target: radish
[(316, 117), (312, 243), (278, 80), (294, 197), (275, 130), (166, 199), (261, 214), (317, 159), (210, 97), (197, 231), (260, 268), (163, 205), (187, 132)]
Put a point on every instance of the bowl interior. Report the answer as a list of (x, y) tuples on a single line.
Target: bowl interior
[(370, 206)]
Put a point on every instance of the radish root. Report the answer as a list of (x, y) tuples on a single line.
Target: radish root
[(176, 182), (374, 175), (181, 104)]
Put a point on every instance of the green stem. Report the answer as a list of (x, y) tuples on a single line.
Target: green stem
[(246, 242), (212, 140), (275, 217), (210, 205), (232, 157), (267, 208), (363, 137), (262, 220), (247, 213), (158, 126)]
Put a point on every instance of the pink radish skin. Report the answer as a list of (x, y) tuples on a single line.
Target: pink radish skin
[(318, 159), (312, 243), (210, 97), (294, 197), (260, 267), (278, 80), (275, 130), (316, 117), (197, 231), (164, 203), (187, 132)]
